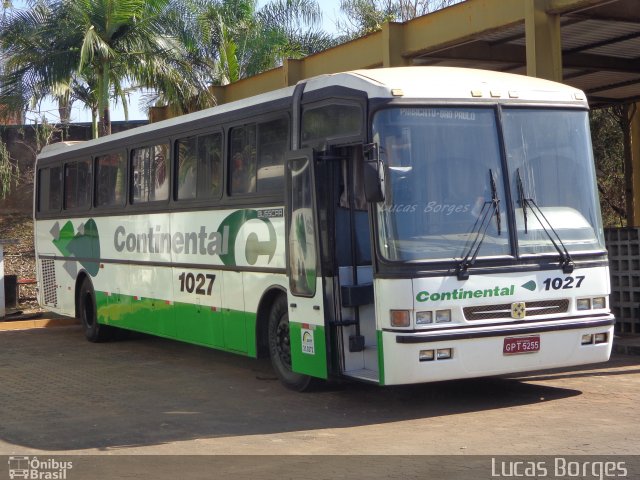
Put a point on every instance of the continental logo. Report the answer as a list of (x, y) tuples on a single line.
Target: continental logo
[(462, 294), (202, 241)]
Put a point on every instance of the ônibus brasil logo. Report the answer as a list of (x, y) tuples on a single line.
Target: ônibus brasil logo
[(83, 243), (38, 469)]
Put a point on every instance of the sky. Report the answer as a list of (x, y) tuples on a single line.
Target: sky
[(330, 12)]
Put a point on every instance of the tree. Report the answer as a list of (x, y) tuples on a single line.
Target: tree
[(362, 17), (98, 47), (241, 41)]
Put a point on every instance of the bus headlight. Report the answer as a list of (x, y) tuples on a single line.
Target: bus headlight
[(599, 302), (400, 318), (426, 355), (443, 316), (583, 304), (424, 318), (587, 339)]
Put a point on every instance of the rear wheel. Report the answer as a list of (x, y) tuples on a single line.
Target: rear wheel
[(280, 347), (88, 313)]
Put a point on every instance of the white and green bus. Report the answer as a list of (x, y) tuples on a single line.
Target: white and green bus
[(395, 226)]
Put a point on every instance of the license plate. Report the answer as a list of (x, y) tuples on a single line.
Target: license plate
[(515, 345)]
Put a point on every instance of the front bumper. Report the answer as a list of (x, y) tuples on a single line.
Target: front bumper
[(478, 350)]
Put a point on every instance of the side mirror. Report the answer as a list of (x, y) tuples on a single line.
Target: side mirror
[(373, 174)]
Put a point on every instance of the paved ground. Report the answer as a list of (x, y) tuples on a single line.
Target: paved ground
[(62, 395)]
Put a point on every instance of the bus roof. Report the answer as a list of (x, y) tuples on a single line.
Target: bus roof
[(445, 83)]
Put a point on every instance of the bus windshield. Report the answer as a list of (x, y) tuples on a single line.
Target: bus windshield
[(445, 186)]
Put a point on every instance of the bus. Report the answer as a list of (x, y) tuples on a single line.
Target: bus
[(393, 225)]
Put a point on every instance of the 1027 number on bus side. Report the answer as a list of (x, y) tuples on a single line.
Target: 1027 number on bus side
[(200, 284)]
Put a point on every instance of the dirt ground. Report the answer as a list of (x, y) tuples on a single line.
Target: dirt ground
[(61, 394)]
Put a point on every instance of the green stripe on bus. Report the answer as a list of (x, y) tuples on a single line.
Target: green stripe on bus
[(312, 361), (224, 329), (380, 359)]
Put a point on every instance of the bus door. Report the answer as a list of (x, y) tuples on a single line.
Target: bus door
[(307, 331), (355, 317)]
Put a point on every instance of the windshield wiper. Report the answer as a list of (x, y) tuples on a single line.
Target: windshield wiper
[(565, 258), (480, 228)]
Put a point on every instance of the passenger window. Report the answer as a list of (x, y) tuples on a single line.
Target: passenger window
[(110, 179), (330, 121), (199, 166), (273, 139), (150, 173), (77, 184), (49, 189), (242, 154)]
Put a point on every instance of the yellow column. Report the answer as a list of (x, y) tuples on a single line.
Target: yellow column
[(393, 45), (634, 147), (293, 71), (544, 49)]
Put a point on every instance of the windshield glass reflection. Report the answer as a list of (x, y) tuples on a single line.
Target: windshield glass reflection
[(439, 165)]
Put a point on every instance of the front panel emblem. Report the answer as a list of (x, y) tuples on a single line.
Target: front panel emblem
[(518, 310)]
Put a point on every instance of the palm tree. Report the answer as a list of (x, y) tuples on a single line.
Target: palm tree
[(100, 46), (240, 41), (139, 41)]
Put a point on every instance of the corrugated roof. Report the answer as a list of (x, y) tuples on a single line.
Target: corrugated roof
[(600, 45)]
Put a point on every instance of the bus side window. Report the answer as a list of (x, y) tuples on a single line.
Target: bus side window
[(273, 141), (187, 167), (330, 121), (150, 173), (49, 189), (210, 166), (110, 176), (77, 184), (242, 155), (199, 166)]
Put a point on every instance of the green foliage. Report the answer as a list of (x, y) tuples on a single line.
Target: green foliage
[(8, 171), (361, 17), (608, 151)]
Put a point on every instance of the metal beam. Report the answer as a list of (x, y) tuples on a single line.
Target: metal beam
[(557, 7), (460, 23), (544, 50), (503, 53)]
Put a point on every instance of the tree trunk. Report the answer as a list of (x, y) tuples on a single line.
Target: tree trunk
[(105, 122), (94, 122)]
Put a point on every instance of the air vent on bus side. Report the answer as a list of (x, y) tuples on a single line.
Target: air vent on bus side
[(49, 283)]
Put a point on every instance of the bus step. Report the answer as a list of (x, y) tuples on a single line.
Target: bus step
[(344, 323), (363, 374)]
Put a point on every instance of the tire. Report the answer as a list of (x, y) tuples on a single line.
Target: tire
[(280, 348), (88, 314)]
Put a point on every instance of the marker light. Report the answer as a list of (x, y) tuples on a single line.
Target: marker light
[(426, 355), (583, 304), (599, 302), (587, 339), (444, 353), (400, 318), (443, 316), (424, 318)]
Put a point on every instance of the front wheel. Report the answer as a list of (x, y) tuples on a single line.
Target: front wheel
[(280, 348), (88, 313)]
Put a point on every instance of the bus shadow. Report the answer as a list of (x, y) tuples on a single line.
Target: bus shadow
[(61, 393)]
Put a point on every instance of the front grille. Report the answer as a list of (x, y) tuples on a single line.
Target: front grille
[(503, 310)]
